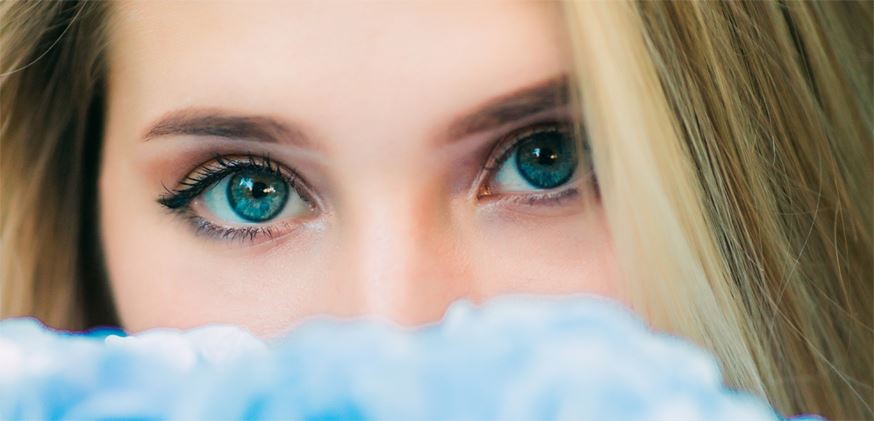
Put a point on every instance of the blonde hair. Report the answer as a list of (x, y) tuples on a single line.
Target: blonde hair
[(51, 75), (732, 141)]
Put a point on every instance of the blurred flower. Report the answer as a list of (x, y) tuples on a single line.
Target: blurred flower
[(516, 357)]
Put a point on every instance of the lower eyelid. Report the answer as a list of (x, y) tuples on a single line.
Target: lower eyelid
[(552, 198), (579, 189), (254, 234)]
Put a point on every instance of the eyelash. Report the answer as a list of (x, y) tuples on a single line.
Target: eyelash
[(179, 200), (504, 148)]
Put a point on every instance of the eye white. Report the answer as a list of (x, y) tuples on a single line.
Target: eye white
[(508, 179)]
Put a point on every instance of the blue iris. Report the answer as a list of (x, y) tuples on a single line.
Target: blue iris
[(257, 196), (546, 159)]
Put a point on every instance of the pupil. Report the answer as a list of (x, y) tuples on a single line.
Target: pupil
[(545, 156), (259, 190)]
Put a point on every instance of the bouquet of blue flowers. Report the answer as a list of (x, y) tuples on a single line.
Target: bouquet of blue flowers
[(515, 357)]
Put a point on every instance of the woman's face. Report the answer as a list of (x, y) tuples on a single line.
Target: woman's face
[(267, 162)]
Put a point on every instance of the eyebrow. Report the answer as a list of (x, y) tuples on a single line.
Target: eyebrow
[(543, 96), (218, 123)]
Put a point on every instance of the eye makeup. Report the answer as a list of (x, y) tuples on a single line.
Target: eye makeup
[(242, 196), (558, 151), (252, 174), (207, 196)]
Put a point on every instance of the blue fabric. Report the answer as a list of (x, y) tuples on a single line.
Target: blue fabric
[(516, 357)]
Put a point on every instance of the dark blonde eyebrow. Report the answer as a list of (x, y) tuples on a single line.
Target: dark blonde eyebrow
[(218, 123), (543, 96)]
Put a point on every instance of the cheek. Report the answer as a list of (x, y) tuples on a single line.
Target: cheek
[(163, 275), (570, 254)]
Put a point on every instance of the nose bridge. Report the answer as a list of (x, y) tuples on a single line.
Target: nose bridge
[(405, 258)]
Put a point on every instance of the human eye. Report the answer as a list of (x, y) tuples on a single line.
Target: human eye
[(241, 198), (538, 165)]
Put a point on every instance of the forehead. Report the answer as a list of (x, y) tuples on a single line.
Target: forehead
[(326, 58)]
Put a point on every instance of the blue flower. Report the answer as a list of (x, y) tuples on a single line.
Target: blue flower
[(515, 357)]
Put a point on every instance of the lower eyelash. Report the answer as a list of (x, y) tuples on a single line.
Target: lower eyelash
[(555, 198), (552, 198), (247, 233)]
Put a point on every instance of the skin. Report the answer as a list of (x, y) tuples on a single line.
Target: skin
[(372, 94)]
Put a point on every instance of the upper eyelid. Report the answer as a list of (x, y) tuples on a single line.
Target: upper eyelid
[(195, 184), (505, 145)]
